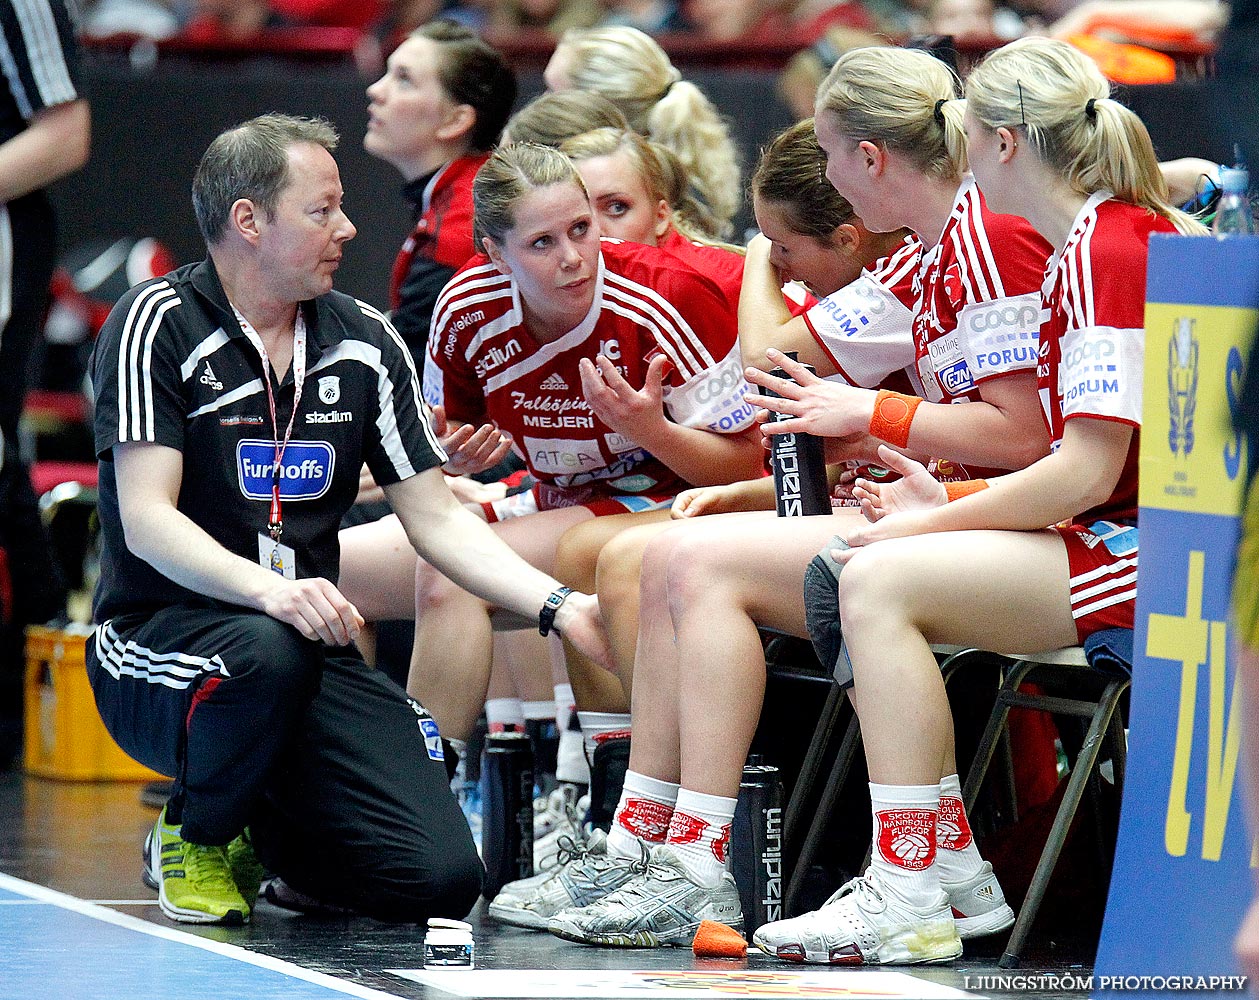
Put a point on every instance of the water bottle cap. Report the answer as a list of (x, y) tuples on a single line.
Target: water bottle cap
[(1234, 179)]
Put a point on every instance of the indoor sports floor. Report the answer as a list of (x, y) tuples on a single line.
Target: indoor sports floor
[(76, 923)]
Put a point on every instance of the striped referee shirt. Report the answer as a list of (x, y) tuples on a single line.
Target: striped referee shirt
[(40, 60)]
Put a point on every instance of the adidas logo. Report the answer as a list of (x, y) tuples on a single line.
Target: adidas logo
[(555, 381), (209, 378), (984, 891)]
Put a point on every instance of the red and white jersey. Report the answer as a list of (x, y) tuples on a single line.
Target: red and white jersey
[(866, 327), (483, 364), (978, 311), (1092, 344), (725, 267)]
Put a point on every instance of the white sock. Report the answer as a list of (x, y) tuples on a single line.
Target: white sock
[(643, 814), (699, 834), (957, 855), (904, 845), (571, 765), (594, 723), (534, 710), (504, 714)]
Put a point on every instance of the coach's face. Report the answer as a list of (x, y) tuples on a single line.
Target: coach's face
[(300, 245)]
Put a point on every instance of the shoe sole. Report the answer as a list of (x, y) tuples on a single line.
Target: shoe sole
[(893, 952), (992, 922), (637, 939), (232, 918)]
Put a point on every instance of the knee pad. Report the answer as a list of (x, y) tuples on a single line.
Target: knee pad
[(821, 610)]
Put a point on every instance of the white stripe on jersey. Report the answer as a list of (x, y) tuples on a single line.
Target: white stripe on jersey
[(669, 321), (1079, 268), (6, 269), (172, 670), (420, 407), (486, 276), (992, 274), (240, 392), (891, 270), (135, 383), (48, 63), (203, 350)]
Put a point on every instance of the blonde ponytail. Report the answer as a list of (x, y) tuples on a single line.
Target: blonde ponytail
[(1061, 99)]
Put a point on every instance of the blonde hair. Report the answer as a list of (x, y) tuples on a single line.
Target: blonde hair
[(902, 99), (509, 174), (663, 176), (631, 70), (1061, 99), (550, 119)]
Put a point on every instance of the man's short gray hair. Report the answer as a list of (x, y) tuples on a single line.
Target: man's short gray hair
[(250, 161)]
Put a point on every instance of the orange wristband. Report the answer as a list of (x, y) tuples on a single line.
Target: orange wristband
[(964, 488), (893, 413)]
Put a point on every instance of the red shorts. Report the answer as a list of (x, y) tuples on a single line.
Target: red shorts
[(544, 497), (1103, 566)]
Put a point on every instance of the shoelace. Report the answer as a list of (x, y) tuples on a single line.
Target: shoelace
[(864, 885), (570, 849), (207, 868)]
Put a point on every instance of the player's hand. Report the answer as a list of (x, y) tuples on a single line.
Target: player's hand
[(917, 489), (811, 405), (470, 491), (580, 623), (634, 413), (315, 608), (469, 449), (898, 525), (701, 500)]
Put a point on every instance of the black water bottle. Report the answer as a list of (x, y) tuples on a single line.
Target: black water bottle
[(507, 801), (799, 465), (756, 843)]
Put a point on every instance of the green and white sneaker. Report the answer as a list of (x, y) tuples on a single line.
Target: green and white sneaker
[(194, 883), (247, 870)]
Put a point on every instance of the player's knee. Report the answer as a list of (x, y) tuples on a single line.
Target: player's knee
[(577, 555), (273, 657), (434, 591), (867, 589)]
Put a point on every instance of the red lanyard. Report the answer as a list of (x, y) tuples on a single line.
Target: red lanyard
[(275, 520)]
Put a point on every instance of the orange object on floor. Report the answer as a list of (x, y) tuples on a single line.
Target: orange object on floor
[(717, 940)]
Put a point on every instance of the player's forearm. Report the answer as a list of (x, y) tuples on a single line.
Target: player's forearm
[(705, 458), (467, 551), (183, 552), (55, 144), (762, 311)]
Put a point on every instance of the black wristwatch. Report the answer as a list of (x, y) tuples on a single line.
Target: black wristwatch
[(554, 601)]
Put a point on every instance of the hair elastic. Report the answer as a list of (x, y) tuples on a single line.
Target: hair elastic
[(1090, 108), (938, 112)]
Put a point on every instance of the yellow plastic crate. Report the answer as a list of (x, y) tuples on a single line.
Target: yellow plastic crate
[(65, 737)]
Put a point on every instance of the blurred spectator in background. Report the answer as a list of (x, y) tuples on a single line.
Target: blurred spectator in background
[(330, 13), (157, 19), (655, 17), (231, 21), (774, 21), (631, 70), (506, 17), (798, 82)]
